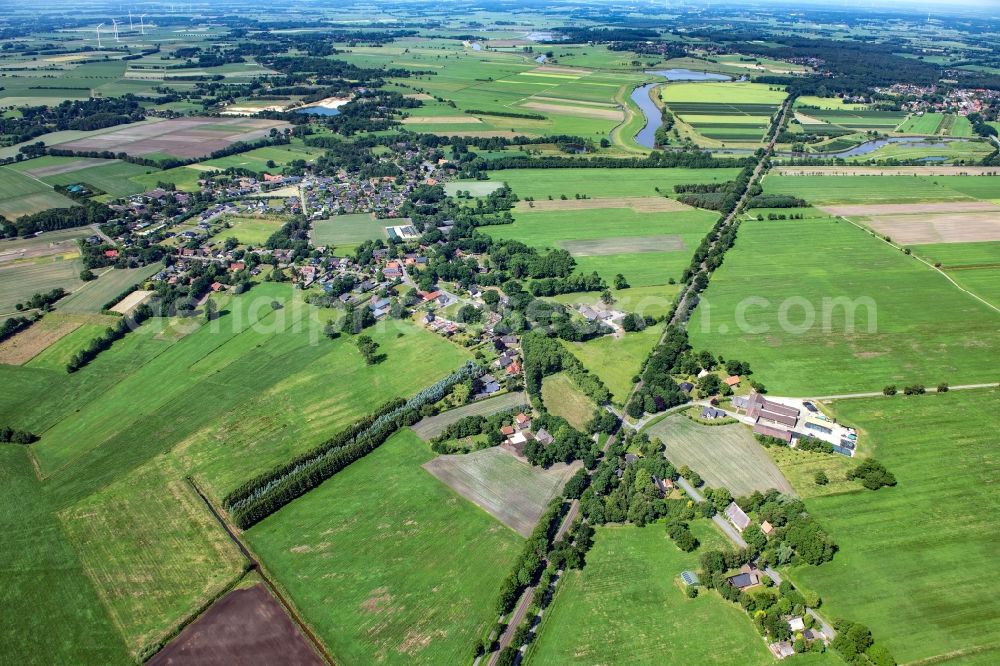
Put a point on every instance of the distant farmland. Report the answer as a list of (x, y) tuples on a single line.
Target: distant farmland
[(181, 137)]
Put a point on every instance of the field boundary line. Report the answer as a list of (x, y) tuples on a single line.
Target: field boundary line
[(255, 565), (924, 262)]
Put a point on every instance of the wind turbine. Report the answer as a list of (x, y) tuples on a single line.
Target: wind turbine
[(142, 28), (130, 26), (115, 24), (99, 35)]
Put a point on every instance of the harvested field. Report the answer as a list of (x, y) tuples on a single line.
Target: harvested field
[(32, 341), (49, 243), (244, 627), (432, 426), (553, 69), (870, 210), (944, 228), (424, 97), (514, 492), (581, 111), (132, 301), (638, 204), (558, 100), (597, 247), (723, 455), (441, 120), (941, 170), (181, 137)]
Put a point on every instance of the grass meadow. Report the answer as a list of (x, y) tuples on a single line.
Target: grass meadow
[(677, 232), (625, 606), (152, 550), (724, 455), (370, 559), (219, 403), (115, 177), (563, 398), (21, 195), (605, 183), (916, 327), (19, 281), (345, 232), (251, 230), (883, 189), (921, 555), (93, 295), (616, 361)]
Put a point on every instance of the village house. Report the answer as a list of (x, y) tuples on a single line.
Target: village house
[(737, 517)]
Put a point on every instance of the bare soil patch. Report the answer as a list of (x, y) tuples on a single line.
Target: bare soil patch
[(871, 210), (31, 342), (132, 301), (424, 97), (581, 111), (638, 204), (441, 120), (941, 170), (182, 137), (246, 627), (557, 100), (512, 491), (597, 247), (945, 228)]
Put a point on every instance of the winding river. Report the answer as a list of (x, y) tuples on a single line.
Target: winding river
[(646, 136)]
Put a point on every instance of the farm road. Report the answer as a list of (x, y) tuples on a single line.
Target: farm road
[(878, 394)]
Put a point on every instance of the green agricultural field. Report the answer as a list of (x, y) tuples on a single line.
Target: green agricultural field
[(605, 183), (93, 296), (21, 280), (562, 398), (625, 607), (613, 231), (114, 178), (828, 103), (152, 550), (256, 160), (983, 282), (21, 194), (961, 255), (951, 152), (822, 190), (477, 188), (724, 455), (927, 124), (54, 614), (370, 560), (251, 230), (910, 324), (58, 354), (722, 93), (616, 361), (185, 178), (344, 232), (264, 360), (895, 337), (920, 554)]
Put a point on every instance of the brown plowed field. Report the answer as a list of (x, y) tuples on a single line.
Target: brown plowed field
[(247, 627), (943, 228)]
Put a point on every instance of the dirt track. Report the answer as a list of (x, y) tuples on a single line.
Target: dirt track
[(245, 627)]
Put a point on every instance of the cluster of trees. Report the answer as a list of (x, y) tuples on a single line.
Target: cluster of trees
[(507, 114), (11, 436), (13, 325), (476, 424), (531, 559), (981, 127), (776, 201), (90, 212), (41, 301), (545, 356), (854, 642), (89, 114), (655, 160), (681, 535), (568, 443), (369, 350), (873, 474), (659, 391), (567, 285), (266, 493), (797, 536), (110, 335), (622, 491), (815, 445), (662, 135)]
